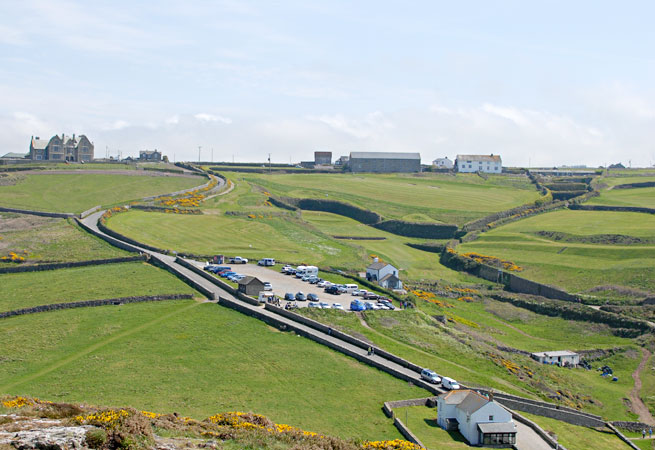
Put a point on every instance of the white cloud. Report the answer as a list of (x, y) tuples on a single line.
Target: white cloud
[(173, 120), (205, 117)]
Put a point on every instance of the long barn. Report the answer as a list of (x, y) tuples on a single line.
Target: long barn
[(383, 162)]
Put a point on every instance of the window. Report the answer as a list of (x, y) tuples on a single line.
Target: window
[(491, 418)]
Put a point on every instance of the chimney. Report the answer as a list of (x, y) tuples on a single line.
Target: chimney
[(491, 396), (74, 138)]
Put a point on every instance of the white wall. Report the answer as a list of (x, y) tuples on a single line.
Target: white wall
[(479, 166)]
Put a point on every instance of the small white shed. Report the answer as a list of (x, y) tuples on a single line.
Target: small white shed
[(560, 357)]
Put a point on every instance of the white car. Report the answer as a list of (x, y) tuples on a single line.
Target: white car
[(358, 292), (430, 376), (238, 260), (324, 305), (268, 286), (337, 306), (322, 283), (314, 305)]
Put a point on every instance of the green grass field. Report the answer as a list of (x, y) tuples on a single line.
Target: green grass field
[(422, 421), (627, 179), (574, 437), (463, 349), (78, 192), (24, 290), (44, 239), (414, 197), (576, 267), (642, 197), (195, 359)]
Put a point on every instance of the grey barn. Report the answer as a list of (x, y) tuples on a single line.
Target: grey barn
[(383, 162)]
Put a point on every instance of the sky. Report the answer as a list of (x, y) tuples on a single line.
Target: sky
[(540, 83)]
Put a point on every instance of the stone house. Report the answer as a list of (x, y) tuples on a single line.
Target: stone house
[(251, 286), (560, 357), (479, 163), (147, 155), (61, 148), (384, 274), (481, 420)]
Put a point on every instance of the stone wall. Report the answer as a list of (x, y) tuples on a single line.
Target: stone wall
[(38, 213), (418, 230), (93, 303), (68, 265), (90, 211), (644, 184), (612, 208), (157, 261), (109, 239), (406, 432), (622, 436)]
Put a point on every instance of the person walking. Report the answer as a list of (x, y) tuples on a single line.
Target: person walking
[(650, 432), (643, 433)]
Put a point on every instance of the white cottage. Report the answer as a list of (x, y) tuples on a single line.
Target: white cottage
[(443, 163), (479, 419), (384, 274), (479, 163), (560, 357)]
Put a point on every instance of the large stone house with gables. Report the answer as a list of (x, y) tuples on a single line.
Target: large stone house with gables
[(61, 148)]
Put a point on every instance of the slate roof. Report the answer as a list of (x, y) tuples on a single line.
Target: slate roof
[(384, 155), (14, 155), (490, 158), (247, 280), (40, 144), (466, 400), (387, 276), (378, 265), (497, 427)]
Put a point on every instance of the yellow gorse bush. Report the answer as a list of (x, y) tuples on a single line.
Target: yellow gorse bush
[(19, 402), (108, 418), (493, 261), (396, 444)]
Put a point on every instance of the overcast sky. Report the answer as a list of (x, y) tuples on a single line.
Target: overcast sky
[(540, 83)]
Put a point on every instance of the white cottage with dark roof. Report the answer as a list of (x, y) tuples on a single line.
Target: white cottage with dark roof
[(479, 419), (384, 274), (479, 163)]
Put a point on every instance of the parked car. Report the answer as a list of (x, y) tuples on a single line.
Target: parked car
[(285, 269), (238, 260), (430, 376), (217, 269), (313, 305), (332, 290), (342, 289), (357, 305), (449, 383), (300, 297), (306, 278), (337, 306), (324, 305), (371, 296), (289, 296), (314, 280), (321, 283), (382, 306), (359, 292), (268, 286), (386, 302), (266, 262), (227, 273), (290, 271), (312, 297), (371, 306)]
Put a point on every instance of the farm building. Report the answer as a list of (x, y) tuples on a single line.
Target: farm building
[(443, 163), (382, 162), (342, 161), (13, 156), (561, 358), (322, 158), (481, 420), (146, 155), (479, 163), (61, 148), (250, 286), (384, 274)]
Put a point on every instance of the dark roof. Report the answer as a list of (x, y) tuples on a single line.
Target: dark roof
[(378, 265), (497, 427), (389, 276), (247, 280), (454, 397), (472, 402), (385, 155), (14, 155), (492, 158)]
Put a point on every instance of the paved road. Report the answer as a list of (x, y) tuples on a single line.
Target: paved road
[(527, 438)]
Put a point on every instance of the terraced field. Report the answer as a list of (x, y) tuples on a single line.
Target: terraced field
[(413, 197), (595, 250), (75, 193), (195, 359), (642, 197)]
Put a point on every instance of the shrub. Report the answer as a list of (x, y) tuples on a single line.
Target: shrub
[(96, 438)]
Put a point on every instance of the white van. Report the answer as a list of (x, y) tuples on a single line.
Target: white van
[(449, 383), (300, 271), (266, 262), (265, 297), (351, 287), (311, 271)]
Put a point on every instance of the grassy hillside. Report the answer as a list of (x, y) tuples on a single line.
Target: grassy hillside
[(44, 239), (195, 359), (577, 264), (414, 197), (643, 197), (78, 192), (24, 290)]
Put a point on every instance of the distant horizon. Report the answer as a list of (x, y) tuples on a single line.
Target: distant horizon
[(540, 84)]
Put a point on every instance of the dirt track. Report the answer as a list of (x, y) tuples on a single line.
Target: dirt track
[(638, 406)]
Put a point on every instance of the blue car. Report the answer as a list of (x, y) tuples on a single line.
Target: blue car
[(227, 274), (217, 269), (357, 305)]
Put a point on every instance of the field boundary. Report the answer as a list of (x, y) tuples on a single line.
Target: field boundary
[(39, 213), (637, 209), (94, 303), (72, 264)]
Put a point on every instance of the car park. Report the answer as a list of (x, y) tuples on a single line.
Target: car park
[(351, 287), (382, 306), (300, 297), (314, 280), (337, 306), (312, 297), (342, 289), (357, 305), (266, 297), (238, 260), (290, 271), (332, 290), (313, 305), (386, 302), (227, 273), (268, 286), (285, 269), (430, 376), (306, 278), (289, 296), (359, 292)]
